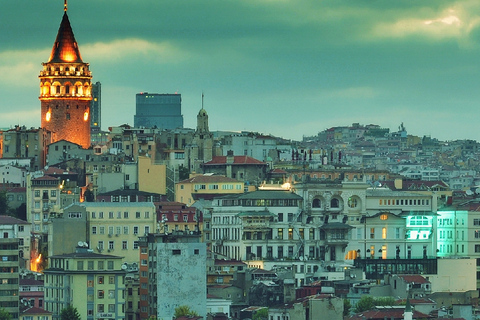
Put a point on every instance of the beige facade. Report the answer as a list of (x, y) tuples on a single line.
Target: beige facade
[(92, 283), (114, 227), (454, 275), (151, 177), (206, 184)]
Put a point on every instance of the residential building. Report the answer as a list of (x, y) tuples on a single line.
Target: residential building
[(91, 282), (31, 293), (9, 274), (114, 227), (243, 168), (27, 143), (34, 313), (177, 217), (66, 90), (206, 187), (175, 274), (66, 229), (162, 111), (14, 228)]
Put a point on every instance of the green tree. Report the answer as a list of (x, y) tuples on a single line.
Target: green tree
[(184, 310), (346, 307), (5, 315), (365, 303), (70, 313), (261, 314), (183, 173), (3, 202), (385, 301)]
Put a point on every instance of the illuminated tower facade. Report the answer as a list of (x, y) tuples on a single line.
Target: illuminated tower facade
[(65, 89)]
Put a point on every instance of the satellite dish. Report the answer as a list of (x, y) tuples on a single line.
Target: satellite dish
[(85, 245), (124, 266), (80, 244), (469, 192)]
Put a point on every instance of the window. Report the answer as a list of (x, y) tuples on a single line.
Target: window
[(100, 245), (147, 214), (372, 233), (100, 280), (100, 308), (100, 294), (384, 233), (111, 280), (79, 265), (125, 215), (102, 230), (135, 244), (110, 265), (185, 218), (147, 229), (110, 215), (137, 215), (124, 245), (125, 230), (111, 245), (111, 308), (135, 230), (94, 230)]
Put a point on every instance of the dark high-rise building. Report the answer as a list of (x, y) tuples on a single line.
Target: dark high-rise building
[(65, 89), (163, 111), (96, 107)]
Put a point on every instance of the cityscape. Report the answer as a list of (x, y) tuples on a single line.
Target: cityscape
[(156, 220)]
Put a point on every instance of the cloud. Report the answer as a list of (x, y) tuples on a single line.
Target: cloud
[(118, 50), (18, 66)]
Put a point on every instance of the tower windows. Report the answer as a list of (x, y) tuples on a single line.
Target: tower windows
[(67, 116), (67, 89)]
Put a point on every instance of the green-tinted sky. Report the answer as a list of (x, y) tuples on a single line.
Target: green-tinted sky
[(289, 68)]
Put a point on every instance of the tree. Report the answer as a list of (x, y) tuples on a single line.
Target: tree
[(261, 314), (3, 202), (89, 196), (183, 173), (184, 310), (346, 307), (5, 315), (70, 313), (365, 303)]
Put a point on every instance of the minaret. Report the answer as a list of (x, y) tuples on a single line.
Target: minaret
[(65, 89)]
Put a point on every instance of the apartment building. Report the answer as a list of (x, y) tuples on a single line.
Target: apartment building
[(206, 187), (91, 282), (173, 269), (9, 274), (114, 227)]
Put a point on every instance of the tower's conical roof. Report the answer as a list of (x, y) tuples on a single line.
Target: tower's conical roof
[(65, 48)]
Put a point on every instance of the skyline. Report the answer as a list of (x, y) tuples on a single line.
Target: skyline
[(273, 66)]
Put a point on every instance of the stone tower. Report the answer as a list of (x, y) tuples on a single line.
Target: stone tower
[(65, 89)]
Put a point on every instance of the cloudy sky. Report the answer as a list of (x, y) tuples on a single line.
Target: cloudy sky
[(283, 67)]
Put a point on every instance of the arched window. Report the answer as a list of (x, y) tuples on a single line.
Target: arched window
[(316, 203), (334, 203)]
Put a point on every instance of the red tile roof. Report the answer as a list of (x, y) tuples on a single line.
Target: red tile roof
[(394, 313), (35, 310), (413, 278), (11, 220), (238, 160)]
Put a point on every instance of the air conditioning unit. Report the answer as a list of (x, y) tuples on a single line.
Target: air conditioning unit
[(109, 235), (116, 235)]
